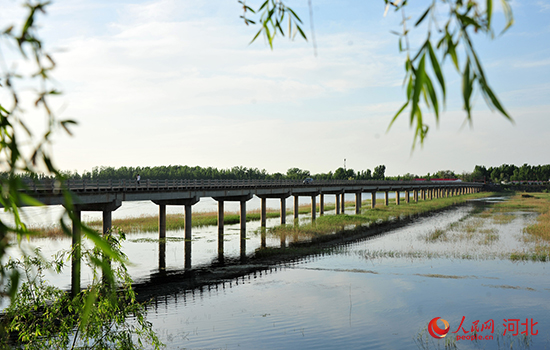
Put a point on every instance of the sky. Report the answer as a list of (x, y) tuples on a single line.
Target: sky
[(177, 82)]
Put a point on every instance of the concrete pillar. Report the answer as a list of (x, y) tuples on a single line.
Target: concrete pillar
[(162, 255), (337, 204), (296, 206), (415, 196), (386, 198), (358, 201), (242, 219), (343, 203), (107, 221), (220, 228), (397, 194), (321, 204), (313, 208), (76, 257), (162, 221), (407, 196), (283, 211), (187, 239), (431, 193), (263, 212), (373, 200), (107, 224)]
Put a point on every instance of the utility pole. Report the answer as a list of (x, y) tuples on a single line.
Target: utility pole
[(344, 163)]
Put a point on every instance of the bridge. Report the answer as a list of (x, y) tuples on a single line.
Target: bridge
[(107, 196)]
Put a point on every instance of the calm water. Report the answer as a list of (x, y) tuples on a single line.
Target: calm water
[(379, 293), (360, 298)]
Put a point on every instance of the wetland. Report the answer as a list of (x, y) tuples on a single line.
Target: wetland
[(482, 261)]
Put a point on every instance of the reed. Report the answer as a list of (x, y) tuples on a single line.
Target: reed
[(330, 224), (539, 202)]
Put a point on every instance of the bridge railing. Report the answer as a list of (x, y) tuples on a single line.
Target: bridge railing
[(182, 184)]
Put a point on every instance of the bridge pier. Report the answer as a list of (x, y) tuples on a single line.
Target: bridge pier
[(242, 219), (373, 200), (283, 211), (313, 207), (386, 198), (397, 195), (296, 206), (321, 204), (337, 203), (407, 196), (76, 259), (343, 202), (263, 211), (187, 203), (415, 196), (358, 201), (220, 229)]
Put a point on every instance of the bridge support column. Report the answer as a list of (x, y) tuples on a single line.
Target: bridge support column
[(242, 219), (106, 208), (397, 195), (373, 200), (283, 211), (343, 202), (187, 239), (407, 196), (337, 200), (77, 252), (358, 201), (162, 221), (221, 212), (296, 206), (415, 196), (321, 204), (431, 193), (187, 212), (313, 208), (263, 212), (386, 198), (107, 225)]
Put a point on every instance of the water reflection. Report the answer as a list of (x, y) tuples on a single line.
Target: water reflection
[(342, 298)]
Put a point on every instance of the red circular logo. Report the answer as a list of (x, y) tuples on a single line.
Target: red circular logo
[(434, 329)]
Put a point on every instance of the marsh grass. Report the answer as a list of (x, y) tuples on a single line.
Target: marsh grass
[(330, 224), (437, 234), (480, 228)]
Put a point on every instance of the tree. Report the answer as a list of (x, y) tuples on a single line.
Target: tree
[(379, 172), (24, 151), (447, 36)]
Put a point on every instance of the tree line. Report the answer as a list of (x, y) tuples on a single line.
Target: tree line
[(505, 172)]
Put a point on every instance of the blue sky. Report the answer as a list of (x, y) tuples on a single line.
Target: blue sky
[(176, 82)]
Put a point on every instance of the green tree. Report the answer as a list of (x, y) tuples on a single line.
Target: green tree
[(448, 38), (379, 172)]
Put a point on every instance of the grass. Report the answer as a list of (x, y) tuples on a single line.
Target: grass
[(474, 228), (330, 224)]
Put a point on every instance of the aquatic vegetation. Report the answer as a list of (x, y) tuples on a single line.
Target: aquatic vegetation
[(437, 234)]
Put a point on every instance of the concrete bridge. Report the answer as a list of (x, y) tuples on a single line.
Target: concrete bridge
[(107, 196)]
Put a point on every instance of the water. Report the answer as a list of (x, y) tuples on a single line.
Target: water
[(352, 299), (378, 293)]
